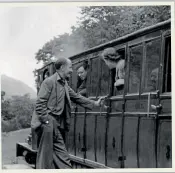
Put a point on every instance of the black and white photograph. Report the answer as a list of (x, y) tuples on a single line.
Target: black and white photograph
[(86, 85)]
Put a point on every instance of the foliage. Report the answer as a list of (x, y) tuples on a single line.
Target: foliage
[(104, 23), (99, 24), (16, 112), (2, 95)]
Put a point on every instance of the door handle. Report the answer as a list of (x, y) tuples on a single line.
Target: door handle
[(157, 108)]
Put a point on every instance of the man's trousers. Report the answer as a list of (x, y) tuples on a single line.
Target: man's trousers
[(52, 152)]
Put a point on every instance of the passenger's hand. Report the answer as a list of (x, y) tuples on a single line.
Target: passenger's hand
[(100, 101)]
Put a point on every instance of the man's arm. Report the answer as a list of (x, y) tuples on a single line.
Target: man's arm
[(42, 99), (83, 92), (82, 101)]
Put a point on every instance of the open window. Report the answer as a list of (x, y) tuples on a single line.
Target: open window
[(167, 65), (46, 74), (118, 74)]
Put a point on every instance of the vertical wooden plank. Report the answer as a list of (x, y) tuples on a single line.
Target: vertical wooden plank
[(75, 121), (114, 140), (90, 121), (95, 139), (130, 142), (84, 149), (101, 122), (165, 144), (147, 143), (138, 142), (106, 137), (79, 135)]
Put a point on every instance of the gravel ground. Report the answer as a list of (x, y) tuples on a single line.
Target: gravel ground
[(8, 146)]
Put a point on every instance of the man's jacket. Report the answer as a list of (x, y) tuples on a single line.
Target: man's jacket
[(47, 98)]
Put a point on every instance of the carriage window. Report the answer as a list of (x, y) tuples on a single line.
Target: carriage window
[(152, 66), (118, 74), (105, 72), (136, 55), (82, 72), (93, 83), (167, 66), (74, 78), (46, 74)]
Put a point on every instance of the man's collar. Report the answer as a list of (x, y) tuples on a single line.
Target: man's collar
[(58, 76), (60, 79)]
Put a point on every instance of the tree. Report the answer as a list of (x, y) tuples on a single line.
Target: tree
[(2, 95), (100, 24), (62, 46), (17, 112), (104, 23)]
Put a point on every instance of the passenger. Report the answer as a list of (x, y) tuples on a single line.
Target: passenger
[(82, 78), (114, 60), (153, 80), (46, 75), (52, 116)]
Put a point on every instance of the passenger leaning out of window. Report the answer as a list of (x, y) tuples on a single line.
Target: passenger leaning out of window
[(115, 60), (82, 78)]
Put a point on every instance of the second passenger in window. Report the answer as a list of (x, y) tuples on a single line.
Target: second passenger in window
[(115, 60), (82, 78)]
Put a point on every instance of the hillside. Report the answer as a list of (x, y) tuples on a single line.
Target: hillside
[(15, 87)]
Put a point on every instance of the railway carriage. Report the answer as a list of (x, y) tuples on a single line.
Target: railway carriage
[(135, 130)]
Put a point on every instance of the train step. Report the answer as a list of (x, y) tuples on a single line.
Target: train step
[(16, 166)]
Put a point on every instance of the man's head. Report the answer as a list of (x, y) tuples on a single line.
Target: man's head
[(64, 67), (154, 76), (82, 70), (111, 57)]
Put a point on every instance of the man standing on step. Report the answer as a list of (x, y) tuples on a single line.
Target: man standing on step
[(52, 116)]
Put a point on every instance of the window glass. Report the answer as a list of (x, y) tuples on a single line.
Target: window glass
[(73, 80), (105, 78), (152, 66), (94, 77), (136, 55)]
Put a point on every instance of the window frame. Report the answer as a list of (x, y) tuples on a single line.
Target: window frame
[(165, 35)]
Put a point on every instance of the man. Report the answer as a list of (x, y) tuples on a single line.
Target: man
[(52, 116), (82, 78), (114, 60), (152, 86)]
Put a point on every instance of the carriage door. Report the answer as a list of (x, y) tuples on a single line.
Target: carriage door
[(147, 125), (164, 138)]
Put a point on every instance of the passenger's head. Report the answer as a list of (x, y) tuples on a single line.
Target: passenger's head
[(64, 67), (111, 57), (154, 76), (82, 70), (46, 75)]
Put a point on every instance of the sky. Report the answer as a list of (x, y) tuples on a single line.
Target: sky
[(26, 28)]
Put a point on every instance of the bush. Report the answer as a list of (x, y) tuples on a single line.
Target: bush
[(16, 113), (8, 126)]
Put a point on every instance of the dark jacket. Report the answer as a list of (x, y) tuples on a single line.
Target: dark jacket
[(46, 101)]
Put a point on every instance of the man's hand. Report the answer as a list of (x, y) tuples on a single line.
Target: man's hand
[(100, 101)]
